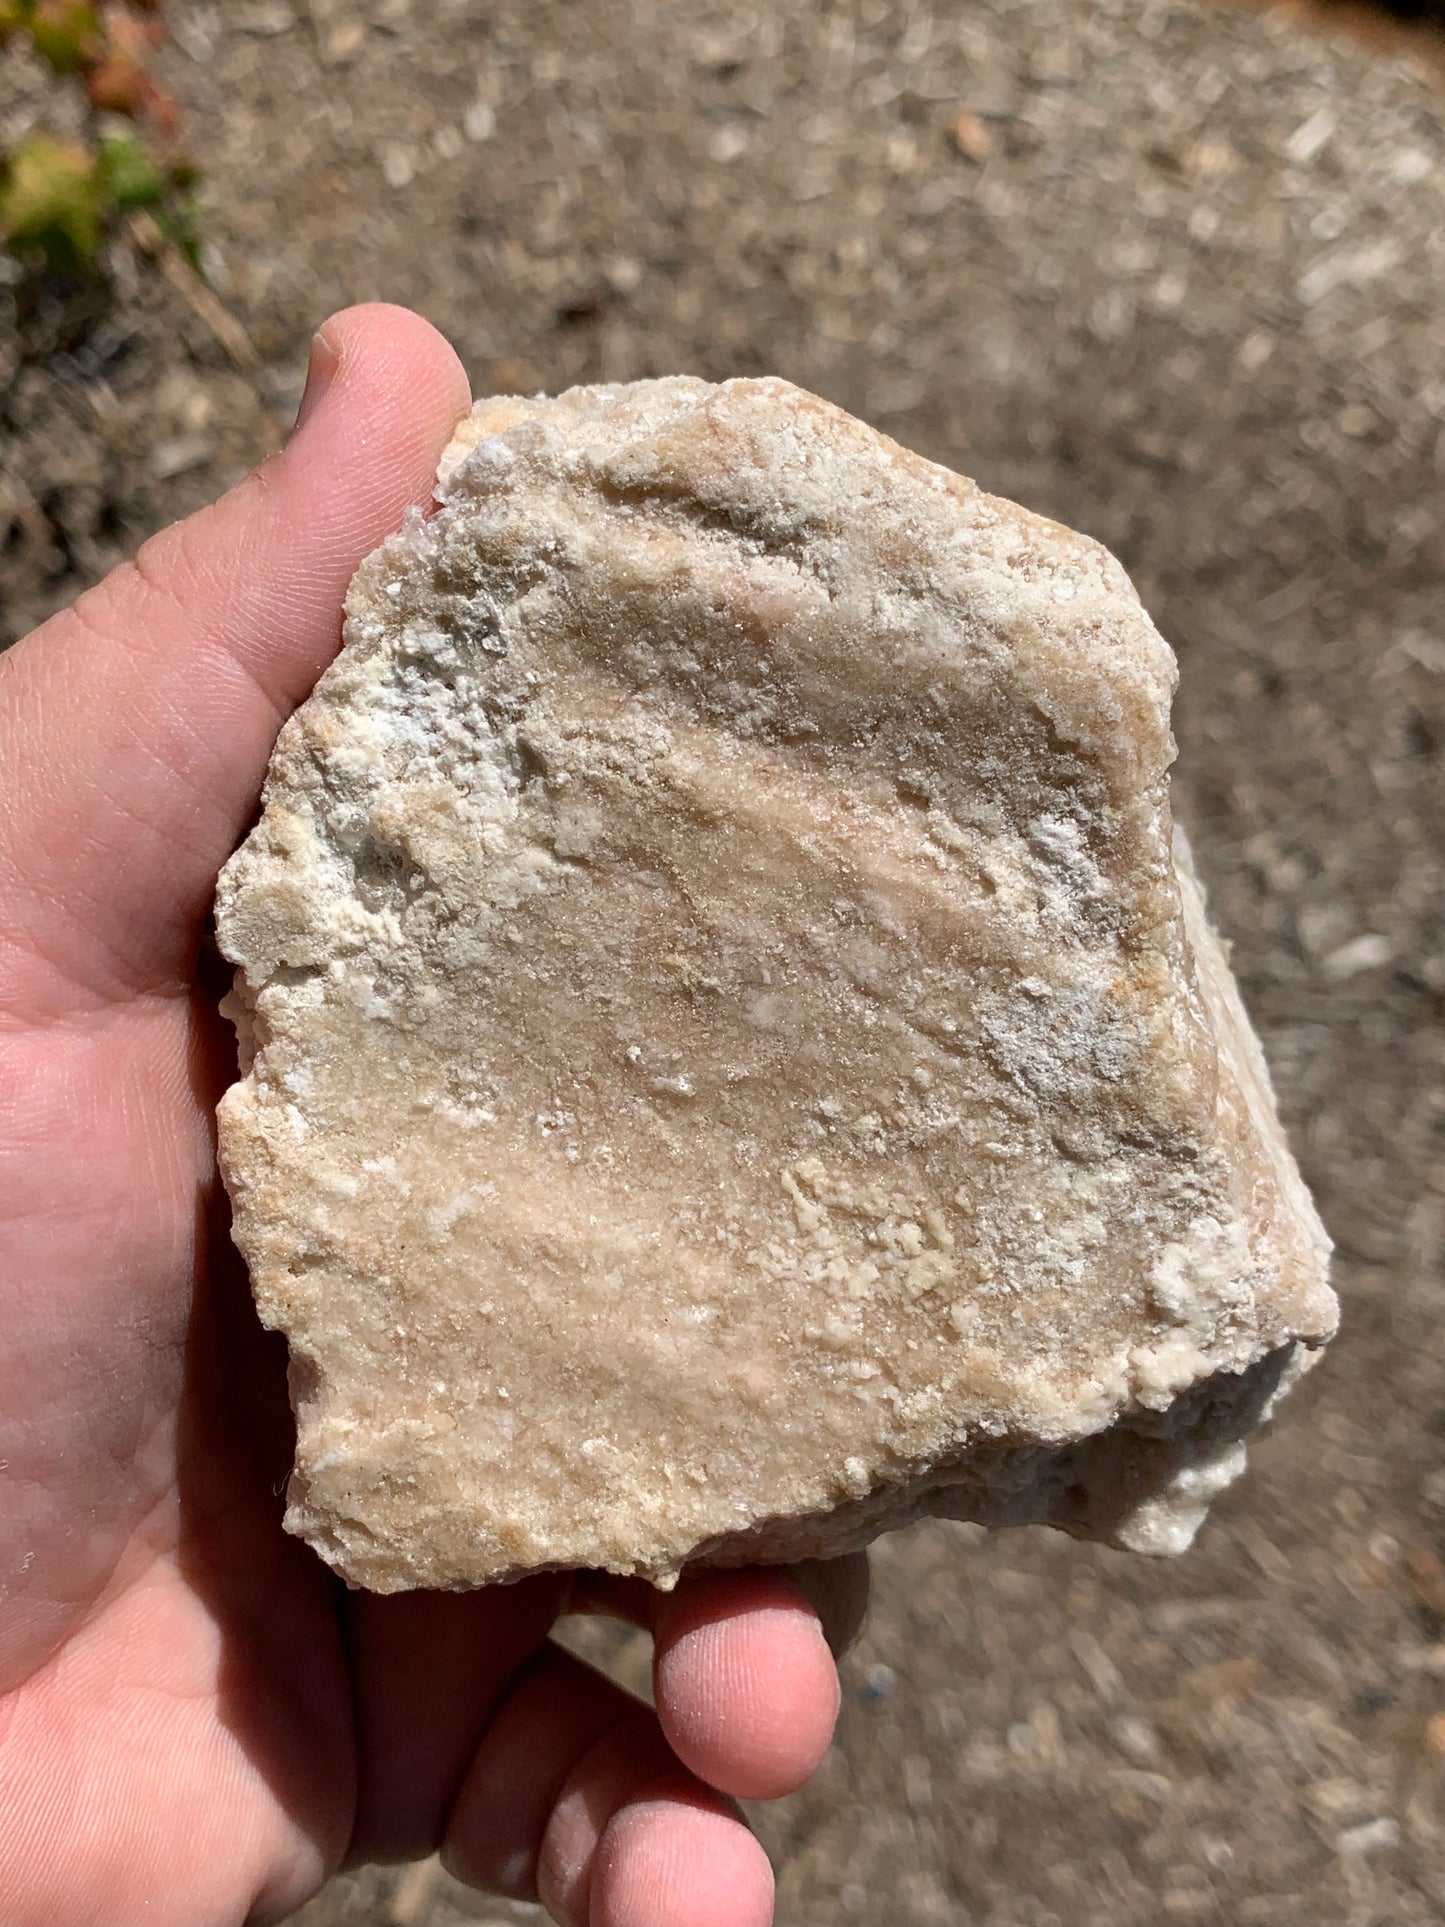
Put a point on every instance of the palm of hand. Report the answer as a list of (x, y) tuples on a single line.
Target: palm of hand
[(154, 1615), (196, 1723)]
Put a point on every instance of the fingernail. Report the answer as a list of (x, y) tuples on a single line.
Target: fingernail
[(320, 373)]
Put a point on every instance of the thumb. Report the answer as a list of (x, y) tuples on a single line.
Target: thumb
[(135, 726)]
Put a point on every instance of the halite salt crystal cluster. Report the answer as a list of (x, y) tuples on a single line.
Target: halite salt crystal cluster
[(731, 1062)]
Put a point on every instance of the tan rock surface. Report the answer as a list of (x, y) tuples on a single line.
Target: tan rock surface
[(730, 1062)]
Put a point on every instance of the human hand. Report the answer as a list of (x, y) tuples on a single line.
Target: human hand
[(197, 1723)]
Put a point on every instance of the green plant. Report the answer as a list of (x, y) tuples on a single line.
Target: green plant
[(60, 199)]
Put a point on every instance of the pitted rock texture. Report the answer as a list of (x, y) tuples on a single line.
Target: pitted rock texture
[(731, 1062)]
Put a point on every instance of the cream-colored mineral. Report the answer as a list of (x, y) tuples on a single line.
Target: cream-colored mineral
[(731, 1063)]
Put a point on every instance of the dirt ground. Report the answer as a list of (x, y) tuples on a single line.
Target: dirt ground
[(1175, 275)]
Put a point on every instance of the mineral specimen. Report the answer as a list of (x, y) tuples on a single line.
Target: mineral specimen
[(731, 1063)]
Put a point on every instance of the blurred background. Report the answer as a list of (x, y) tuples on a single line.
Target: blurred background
[(1175, 274)]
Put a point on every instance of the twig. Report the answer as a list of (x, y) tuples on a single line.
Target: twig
[(146, 234), (16, 500)]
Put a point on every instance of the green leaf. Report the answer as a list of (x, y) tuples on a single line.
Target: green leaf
[(66, 33), (51, 202), (128, 174), (179, 225)]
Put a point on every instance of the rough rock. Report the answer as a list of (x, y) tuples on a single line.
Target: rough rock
[(731, 1060)]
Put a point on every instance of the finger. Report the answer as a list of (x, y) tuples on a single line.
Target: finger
[(693, 1708), (430, 1670), (746, 1689), (567, 1754), (557, 1711), (138, 723), (629, 1758), (670, 1862), (635, 1839), (837, 1590)]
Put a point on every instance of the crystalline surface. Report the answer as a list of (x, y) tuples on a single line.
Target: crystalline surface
[(731, 1060)]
